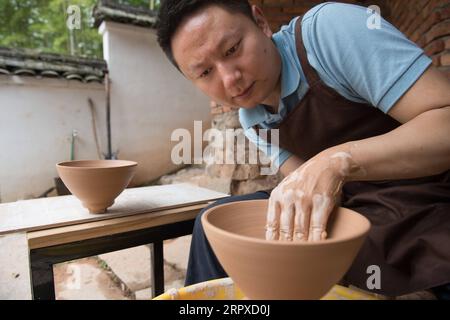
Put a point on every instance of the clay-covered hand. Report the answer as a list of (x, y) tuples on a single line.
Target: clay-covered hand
[(299, 207)]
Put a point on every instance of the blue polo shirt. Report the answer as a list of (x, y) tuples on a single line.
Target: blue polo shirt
[(365, 65)]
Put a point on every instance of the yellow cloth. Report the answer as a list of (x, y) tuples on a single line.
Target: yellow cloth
[(224, 289)]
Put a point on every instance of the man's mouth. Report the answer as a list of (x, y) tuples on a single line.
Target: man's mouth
[(246, 93)]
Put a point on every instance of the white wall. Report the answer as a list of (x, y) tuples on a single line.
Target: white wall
[(149, 99), (37, 117)]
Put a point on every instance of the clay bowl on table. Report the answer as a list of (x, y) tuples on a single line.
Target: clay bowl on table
[(96, 183), (270, 270)]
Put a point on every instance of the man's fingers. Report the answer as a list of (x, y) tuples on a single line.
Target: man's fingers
[(287, 222), (321, 208), (273, 220), (301, 219), (287, 216)]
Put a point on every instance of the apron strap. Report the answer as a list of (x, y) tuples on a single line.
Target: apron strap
[(312, 76)]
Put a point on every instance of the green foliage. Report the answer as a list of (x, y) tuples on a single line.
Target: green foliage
[(41, 25)]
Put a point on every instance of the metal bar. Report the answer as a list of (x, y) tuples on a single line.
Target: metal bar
[(43, 259), (157, 263), (42, 279)]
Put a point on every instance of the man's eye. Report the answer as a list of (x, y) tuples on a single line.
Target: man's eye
[(205, 73), (233, 49)]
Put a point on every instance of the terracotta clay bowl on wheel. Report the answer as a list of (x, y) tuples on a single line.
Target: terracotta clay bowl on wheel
[(96, 183), (270, 270)]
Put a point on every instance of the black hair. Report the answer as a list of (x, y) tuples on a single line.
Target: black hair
[(172, 13)]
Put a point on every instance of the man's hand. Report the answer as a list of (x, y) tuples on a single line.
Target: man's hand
[(300, 205)]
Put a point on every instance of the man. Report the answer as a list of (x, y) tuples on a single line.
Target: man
[(363, 119)]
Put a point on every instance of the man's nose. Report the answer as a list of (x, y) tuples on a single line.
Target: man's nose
[(231, 78)]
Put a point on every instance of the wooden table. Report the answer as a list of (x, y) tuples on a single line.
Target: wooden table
[(36, 234)]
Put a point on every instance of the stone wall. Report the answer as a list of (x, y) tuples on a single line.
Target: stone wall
[(240, 176)]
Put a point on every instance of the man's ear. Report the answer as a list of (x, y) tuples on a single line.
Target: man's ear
[(261, 20)]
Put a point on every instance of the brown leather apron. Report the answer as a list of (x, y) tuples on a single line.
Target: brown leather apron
[(410, 236)]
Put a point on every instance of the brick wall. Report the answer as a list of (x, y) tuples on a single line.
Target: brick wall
[(427, 23)]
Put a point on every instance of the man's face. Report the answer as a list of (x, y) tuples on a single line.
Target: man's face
[(228, 56)]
